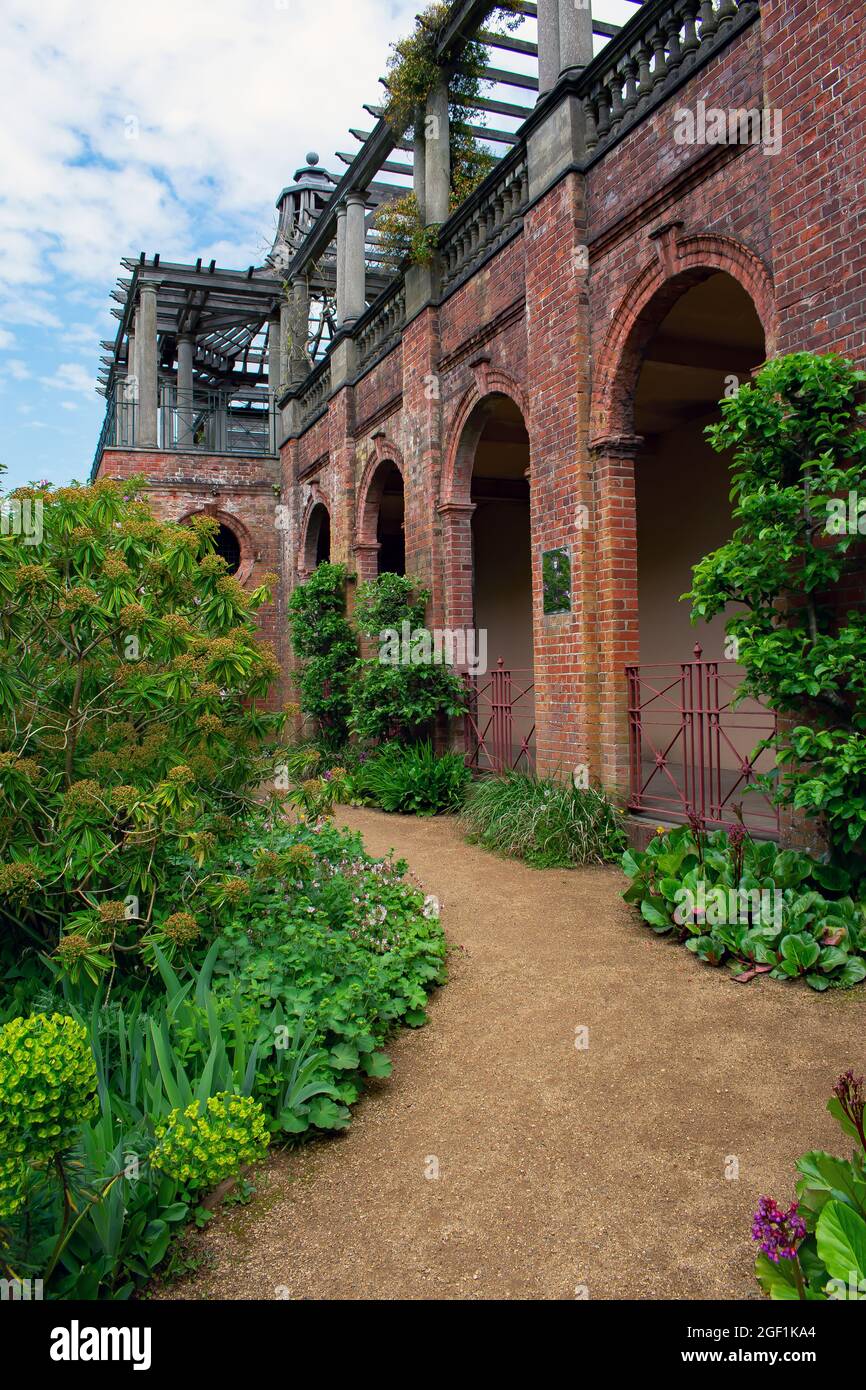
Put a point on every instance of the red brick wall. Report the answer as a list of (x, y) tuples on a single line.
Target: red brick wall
[(558, 320), (242, 492)]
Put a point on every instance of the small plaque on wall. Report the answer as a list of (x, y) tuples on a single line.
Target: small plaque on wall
[(556, 580)]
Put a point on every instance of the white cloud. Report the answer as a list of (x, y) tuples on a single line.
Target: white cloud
[(7, 340), (17, 369), (71, 376)]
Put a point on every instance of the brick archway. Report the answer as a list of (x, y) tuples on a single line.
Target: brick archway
[(468, 426), (680, 263), (383, 454), (239, 530), (310, 530)]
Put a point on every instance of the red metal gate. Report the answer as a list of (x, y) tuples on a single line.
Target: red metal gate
[(499, 724), (690, 753)]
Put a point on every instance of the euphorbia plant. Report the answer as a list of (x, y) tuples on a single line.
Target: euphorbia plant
[(798, 436), (131, 717)]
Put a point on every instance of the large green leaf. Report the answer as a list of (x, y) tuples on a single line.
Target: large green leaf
[(841, 1237)]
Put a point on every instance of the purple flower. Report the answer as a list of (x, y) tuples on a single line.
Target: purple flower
[(849, 1093), (778, 1231)]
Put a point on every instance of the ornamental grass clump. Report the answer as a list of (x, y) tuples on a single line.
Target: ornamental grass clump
[(548, 824), (203, 1145)]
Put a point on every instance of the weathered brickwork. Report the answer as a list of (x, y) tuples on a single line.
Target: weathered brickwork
[(241, 493), (558, 320)]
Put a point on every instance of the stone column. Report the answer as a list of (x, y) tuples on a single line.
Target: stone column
[(548, 45), (341, 264), (437, 156), (354, 290), (419, 163), (145, 339), (575, 34), (185, 410), (285, 334), (298, 365), (126, 395), (273, 374)]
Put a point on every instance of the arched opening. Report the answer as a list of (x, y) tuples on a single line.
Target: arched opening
[(387, 487), (502, 572), (706, 345), (227, 545), (317, 545)]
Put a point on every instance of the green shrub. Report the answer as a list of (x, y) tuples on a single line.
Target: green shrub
[(325, 644), (47, 1089), (131, 678), (412, 779), (549, 824), (398, 700), (200, 1146), (746, 904), (799, 439), (816, 1249)]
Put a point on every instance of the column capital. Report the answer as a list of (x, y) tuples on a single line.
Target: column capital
[(621, 446)]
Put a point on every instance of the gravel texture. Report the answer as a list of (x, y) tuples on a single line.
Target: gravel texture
[(563, 1171)]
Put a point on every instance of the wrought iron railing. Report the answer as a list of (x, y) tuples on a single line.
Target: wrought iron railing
[(690, 752), (499, 723)]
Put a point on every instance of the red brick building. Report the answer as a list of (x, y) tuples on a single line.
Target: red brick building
[(530, 407)]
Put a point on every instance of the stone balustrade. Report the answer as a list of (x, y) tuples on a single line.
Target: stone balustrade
[(380, 327), (665, 41), (486, 219), (313, 397)]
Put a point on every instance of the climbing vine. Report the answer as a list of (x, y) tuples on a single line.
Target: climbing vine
[(414, 68)]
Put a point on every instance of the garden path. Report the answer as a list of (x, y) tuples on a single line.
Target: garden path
[(559, 1167)]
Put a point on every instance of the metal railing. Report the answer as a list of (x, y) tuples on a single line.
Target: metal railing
[(499, 723), (212, 422), (690, 753)]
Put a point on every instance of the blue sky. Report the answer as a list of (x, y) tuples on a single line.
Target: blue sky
[(156, 126)]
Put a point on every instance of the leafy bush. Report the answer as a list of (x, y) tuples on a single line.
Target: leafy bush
[(412, 779), (397, 700), (799, 442), (549, 824), (326, 646), (746, 904), (309, 953), (816, 1249), (130, 721)]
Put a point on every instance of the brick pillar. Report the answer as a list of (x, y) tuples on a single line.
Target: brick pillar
[(341, 450), (422, 409), (457, 596), (616, 577), (560, 496)]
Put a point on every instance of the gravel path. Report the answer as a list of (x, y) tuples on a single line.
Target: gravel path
[(563, 1171)]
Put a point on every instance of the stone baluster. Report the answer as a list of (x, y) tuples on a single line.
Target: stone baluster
[(708, 20)]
